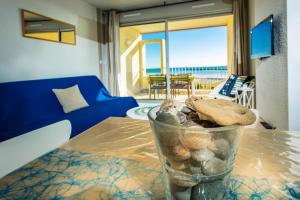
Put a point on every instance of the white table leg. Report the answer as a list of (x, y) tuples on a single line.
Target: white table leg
[(193, 88)]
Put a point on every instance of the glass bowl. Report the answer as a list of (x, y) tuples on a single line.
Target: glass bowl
[(196, 161)]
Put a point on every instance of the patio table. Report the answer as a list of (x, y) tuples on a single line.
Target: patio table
[(162, 78)]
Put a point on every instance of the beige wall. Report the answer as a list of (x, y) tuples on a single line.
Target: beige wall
[(130, 60), (271, 73), (230, 45), (133, 59)]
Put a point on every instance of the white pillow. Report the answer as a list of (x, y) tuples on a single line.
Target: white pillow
[(70, 98)]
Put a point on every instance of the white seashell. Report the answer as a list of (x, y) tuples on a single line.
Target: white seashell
[(195, 170), (214, 166), (202, 155), (168, 118), (191, 124), (181, 117), (182, 181), (222, 149), (178, 165), (186, 110), (183, 195), (196, 141), (176, 153), (209, 190)]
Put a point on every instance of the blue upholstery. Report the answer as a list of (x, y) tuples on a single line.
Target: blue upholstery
[(228, 86), (28, 105)]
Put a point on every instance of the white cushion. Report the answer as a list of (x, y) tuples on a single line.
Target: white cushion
[(70, 98)]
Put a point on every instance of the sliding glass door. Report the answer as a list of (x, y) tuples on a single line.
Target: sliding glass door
[(176, 58), (202, 49), (143, 60)]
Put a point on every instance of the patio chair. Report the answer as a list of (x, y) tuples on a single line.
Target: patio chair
[(234, 93), (157, 84), (180, 82)]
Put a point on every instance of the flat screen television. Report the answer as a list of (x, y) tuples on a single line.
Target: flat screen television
[(262, 39)]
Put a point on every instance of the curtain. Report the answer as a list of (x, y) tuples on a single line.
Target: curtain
[(241, 38), (109, 48)]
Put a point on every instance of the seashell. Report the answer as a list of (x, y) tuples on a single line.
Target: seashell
[(204, 117), (208, 190), (180, 193), (232, 136), (182, 181), (202, 155), (168, 118), (178, 153), (195, 163), (178, 165), (184, 195), (189, 101), (214, 166), (186, 110), (222, 149), (191, 124), (181, 117), (193, 116), (196, 142), (167, 138), (195, 170), (224, 113), (166, 104)]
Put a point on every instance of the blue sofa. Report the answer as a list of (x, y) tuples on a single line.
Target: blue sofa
[(29, 105)]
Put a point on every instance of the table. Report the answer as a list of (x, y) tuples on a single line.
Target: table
[(141, 111), (117, 159), (162, 78)]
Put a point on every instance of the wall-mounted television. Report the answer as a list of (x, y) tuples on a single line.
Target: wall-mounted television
[(262, 39)]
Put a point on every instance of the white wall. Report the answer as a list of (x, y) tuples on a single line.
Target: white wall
[(25, 59), (293, 30), (272, 73)]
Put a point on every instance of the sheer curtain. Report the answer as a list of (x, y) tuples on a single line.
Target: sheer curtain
[(241, 34), (109, 48)]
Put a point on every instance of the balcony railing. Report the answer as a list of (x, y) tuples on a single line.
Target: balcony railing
[(206, 77)]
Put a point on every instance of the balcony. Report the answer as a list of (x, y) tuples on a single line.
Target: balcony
[(203, 80), (139, 43)]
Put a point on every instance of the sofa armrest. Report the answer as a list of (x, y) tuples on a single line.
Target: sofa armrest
[(20, 150)]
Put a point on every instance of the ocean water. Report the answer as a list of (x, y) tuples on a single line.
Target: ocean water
[(200, 72)]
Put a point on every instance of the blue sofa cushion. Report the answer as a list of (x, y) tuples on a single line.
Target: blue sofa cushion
[(28, 105), (85, 118)]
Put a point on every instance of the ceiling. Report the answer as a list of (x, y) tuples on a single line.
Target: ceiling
[(124, 5)]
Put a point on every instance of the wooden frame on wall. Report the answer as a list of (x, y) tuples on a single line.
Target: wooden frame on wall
[(26, 35)]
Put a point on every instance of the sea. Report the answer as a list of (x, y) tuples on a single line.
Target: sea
[(199, 72)]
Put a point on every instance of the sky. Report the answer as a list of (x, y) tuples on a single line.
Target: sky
[(193, 47)]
